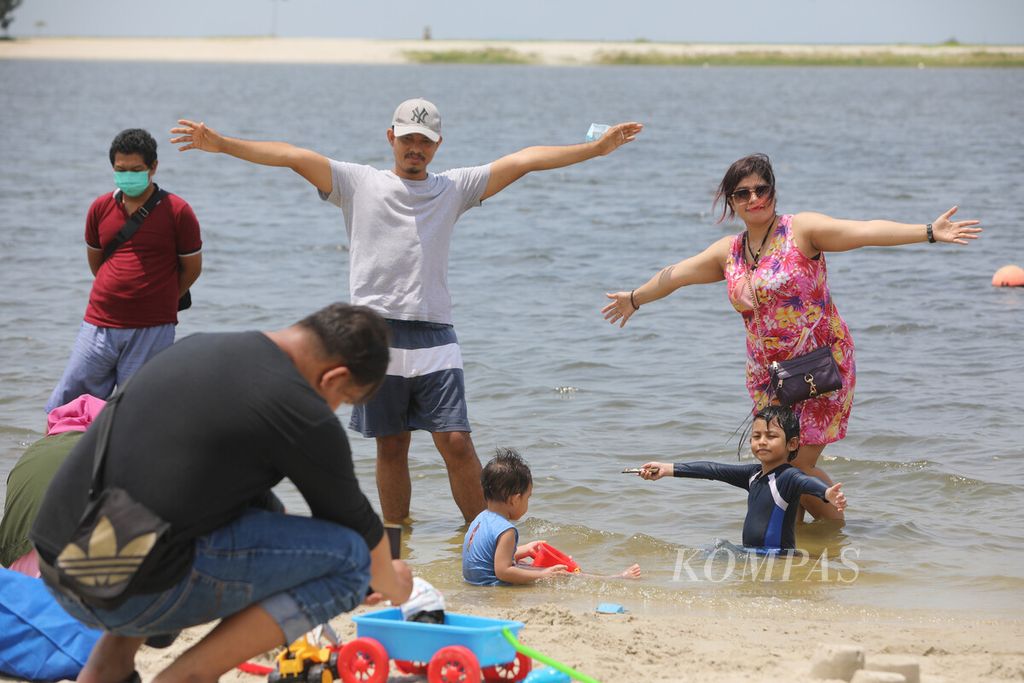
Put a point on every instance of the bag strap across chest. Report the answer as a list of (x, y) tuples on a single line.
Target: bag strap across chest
[(134, 221), (99, 455)]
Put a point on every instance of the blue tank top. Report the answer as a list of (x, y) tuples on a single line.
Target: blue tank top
[(479, 545)]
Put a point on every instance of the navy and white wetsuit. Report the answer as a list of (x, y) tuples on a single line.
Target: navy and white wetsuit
[(772, 500)]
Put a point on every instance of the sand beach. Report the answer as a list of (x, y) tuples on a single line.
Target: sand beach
[(770, 642)]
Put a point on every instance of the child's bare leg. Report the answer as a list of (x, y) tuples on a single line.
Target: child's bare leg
[(630, 572), (807, 462)]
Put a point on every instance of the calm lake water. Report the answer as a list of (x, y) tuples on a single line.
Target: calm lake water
[(933, 463)]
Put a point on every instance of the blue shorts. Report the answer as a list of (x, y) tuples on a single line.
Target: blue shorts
[(424, 387), (302, 571), (103, 357)]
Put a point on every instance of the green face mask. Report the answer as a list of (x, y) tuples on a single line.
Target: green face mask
[(132, 183)]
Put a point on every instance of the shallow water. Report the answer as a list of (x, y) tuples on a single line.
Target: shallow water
[(932, 465)]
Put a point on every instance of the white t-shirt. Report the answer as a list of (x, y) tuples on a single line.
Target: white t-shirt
[(399, 234)]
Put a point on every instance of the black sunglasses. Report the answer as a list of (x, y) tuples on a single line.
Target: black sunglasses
[(743, 194)]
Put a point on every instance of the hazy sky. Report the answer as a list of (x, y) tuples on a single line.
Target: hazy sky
[(774, 21)]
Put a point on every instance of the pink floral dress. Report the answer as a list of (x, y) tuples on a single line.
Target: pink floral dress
[(792, 295)]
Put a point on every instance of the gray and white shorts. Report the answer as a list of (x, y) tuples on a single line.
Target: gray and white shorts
[(424, 387)]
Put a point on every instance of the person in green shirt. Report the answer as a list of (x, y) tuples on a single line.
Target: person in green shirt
[(32, 474)]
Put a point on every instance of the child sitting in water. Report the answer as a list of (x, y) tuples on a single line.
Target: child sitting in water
[(491, 553), (774, 486)]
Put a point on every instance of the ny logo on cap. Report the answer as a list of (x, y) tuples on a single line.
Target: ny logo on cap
[(419, 114)]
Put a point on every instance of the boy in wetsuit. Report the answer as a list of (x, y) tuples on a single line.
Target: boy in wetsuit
[(774, 485), (491, 553)]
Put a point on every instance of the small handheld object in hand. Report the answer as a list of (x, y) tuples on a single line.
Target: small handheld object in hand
[(596, 131), (394, 534), (632, 470)]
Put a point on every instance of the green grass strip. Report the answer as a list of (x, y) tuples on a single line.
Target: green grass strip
[(487, 55), (976, 58)]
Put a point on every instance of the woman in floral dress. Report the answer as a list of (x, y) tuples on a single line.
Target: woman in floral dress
[(776, 279)]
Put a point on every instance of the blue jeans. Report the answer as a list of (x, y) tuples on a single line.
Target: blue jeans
[(103, 357), (302, 571)]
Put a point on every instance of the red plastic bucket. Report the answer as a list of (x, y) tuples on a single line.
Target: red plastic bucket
[(545, 555)]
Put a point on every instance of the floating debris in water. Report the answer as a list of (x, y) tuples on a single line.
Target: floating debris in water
[(566, 391)]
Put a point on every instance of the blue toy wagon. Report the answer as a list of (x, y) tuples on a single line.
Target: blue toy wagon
[(463, 648)]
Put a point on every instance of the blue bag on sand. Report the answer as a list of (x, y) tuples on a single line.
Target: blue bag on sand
[(611, 608), (547, 675), (39, 641)]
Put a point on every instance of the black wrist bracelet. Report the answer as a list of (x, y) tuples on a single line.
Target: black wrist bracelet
[(632, 302), (931, 235)]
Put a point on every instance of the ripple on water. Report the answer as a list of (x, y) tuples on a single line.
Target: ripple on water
[(931, 461)]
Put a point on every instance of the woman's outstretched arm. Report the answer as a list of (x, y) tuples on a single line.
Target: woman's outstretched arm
[(706, 267), (816, 232)]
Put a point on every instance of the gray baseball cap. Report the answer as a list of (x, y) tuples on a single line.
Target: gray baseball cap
[(417, 116)]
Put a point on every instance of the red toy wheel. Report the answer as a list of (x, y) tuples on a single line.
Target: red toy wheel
[(411, 667), (515, 670), (453, 664), (363, 660)]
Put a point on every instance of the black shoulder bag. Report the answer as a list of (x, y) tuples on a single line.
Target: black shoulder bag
[(804, 375), (114, 536), (129, 228)]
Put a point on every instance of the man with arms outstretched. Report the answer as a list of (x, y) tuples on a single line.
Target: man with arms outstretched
[(400, 224)]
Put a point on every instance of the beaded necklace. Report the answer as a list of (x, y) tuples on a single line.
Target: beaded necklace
[(757, 256)]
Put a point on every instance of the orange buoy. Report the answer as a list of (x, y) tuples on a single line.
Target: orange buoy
[(1009, 276)]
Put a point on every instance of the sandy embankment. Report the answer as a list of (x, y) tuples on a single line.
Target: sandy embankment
[(364, 51), (771, 643)]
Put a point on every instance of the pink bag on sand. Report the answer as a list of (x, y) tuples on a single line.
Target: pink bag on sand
[(74, 416), (27, 564)]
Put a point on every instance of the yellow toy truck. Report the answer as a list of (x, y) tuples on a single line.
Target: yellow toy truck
[(306, 662)]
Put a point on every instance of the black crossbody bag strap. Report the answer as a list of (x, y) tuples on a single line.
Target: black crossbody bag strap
[(133, 223), (100, 454)]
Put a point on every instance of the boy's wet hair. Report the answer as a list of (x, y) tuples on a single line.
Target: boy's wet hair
[(785, 418), (506, 475)]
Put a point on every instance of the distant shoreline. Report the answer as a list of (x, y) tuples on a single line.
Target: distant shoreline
[(545, 53)]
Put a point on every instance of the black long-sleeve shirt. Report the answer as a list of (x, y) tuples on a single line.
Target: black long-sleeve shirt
[(772, 498), (202, 431)]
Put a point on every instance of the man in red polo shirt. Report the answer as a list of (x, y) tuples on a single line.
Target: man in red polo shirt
[(133, 305)]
